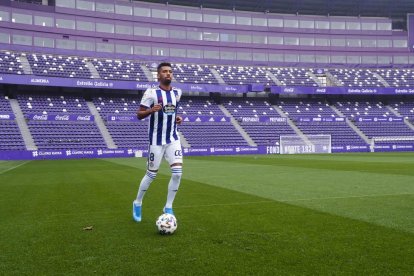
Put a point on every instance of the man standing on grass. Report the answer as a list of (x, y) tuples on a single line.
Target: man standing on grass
[(161, 104)]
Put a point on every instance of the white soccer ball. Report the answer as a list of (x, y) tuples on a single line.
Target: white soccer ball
[(166, 224)]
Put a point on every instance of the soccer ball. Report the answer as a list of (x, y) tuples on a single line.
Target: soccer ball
[(166, 224)]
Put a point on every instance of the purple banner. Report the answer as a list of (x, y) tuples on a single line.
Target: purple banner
[(115, 84), (57, 117), (193, 151), (206, 119), (7, 116), (68, 154), (340, 90), (231, 150), (137, 152), (256, 87), (379, 119), (410, 26), (381, 147), (320, 119), (263, 119), (205, 88), (350, 148)]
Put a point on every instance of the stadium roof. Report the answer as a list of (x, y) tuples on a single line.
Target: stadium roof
[(394, 9)]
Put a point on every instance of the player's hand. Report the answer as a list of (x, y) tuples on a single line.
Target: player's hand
[(178, 120), (156, 108)]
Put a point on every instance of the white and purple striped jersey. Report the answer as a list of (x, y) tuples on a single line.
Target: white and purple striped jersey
[(162, 126)]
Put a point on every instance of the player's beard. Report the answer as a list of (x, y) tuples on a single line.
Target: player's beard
[(166, 82)]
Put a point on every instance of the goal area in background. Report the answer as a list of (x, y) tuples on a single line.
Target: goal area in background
[(392, 142)]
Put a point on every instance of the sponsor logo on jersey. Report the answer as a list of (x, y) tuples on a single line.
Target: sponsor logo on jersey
[(169, 108)]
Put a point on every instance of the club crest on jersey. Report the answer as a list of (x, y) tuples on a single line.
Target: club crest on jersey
[(169, 108)]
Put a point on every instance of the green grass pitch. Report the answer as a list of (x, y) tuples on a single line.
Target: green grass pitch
[(338, 214)]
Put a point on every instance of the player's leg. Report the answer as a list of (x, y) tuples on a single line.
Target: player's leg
[(155, 154), (173, 155)]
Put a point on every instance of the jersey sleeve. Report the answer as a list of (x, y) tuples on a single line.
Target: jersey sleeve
[(179, 93), (147, 99)]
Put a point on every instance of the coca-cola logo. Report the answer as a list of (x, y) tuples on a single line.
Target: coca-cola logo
[(84, 118), (62, 118), (40, 117)]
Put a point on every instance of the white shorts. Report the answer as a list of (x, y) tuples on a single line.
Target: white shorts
[(171, 152)]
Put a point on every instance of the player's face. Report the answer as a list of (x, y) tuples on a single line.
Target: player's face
[(165, 75)]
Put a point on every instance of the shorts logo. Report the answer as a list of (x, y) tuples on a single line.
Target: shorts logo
[(151, 164)]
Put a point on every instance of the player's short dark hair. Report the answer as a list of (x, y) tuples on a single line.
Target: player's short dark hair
[(163, 64)]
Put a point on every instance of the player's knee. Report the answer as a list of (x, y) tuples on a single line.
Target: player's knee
[(176, 172), (151, 174)]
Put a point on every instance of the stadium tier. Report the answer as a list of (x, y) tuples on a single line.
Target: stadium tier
[(10, 136), (119, 70), (384, 128), (306, 108), (250, 107), (52, 104), (266, 133), (117, 105), (341, 133), (66, 135), (403, 108), (397, 77), (293, 76), (356, 78), (363, 108), (65, 120), (244, 75), (59, 66), (199, 106), (212, 134), (10, 63), (52, 65), (193, 73)]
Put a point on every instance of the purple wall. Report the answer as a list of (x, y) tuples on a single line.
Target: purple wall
[(56, 33)]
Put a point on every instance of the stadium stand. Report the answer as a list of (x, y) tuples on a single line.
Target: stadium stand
[(356, 77), (212, 134), (397, 77), (10, 137), (193, 73), (10, 63), (306, 108), (403, 108), (108, 105), (196, 106), (293, 76), (266, 133), (119, 70), (244, 75), (353, 109), (249, 107), (38, 103), (341, 133), (59, 66), (66, 135)]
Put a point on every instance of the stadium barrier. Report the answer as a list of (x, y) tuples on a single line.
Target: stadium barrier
[(200, 87), (193, 151)]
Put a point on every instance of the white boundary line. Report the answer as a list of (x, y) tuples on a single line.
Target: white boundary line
[(15, 167)]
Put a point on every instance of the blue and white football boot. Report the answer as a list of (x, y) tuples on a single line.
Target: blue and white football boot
[(168, 211)]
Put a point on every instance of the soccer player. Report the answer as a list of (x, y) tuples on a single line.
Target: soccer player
[(160, 104)]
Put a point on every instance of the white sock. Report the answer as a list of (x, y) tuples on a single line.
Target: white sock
[(173, 185), (145, 183)]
